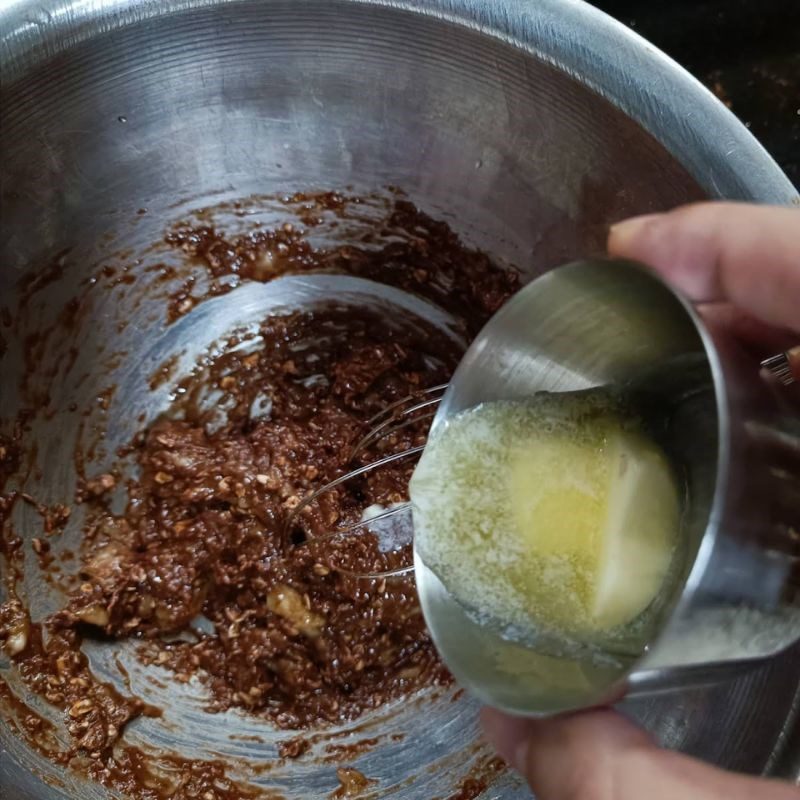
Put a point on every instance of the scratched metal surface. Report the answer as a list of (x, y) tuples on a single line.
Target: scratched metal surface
[(529, 126)]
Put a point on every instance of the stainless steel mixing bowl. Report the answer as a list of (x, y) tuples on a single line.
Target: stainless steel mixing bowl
[(529, 126)]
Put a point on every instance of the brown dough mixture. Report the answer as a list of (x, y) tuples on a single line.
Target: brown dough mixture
[(205, 528)]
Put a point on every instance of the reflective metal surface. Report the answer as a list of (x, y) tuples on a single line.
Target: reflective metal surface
[(529, 126), (591, 326)]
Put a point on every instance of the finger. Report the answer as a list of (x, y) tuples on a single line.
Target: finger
[(572, 757), (793, 357), (745, 254), (758, 339), (600, 755), (760, 342)]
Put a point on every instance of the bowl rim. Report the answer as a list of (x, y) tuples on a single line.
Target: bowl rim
[(646, 84), (712, 144)]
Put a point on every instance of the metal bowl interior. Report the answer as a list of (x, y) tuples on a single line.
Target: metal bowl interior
[(529, 127)]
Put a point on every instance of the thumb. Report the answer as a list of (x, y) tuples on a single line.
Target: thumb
[(737, 253), (600, 755)]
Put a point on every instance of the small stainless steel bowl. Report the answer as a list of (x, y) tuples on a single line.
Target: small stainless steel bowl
[(529, 126), (603, 324)]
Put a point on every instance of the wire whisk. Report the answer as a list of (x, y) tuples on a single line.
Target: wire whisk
[(391, 527)]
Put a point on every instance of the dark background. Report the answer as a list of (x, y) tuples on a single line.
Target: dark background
[(746, 51)]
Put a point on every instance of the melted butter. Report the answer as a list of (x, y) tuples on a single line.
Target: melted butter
[(559, 513)]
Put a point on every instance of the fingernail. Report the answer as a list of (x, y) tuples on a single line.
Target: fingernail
[(508, 735), (629, 227)]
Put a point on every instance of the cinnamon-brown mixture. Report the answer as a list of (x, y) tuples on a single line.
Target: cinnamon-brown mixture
[(206, 533), (352, 783)]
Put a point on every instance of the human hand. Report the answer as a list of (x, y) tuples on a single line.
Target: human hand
[(740, 262), (601, 755), (744, 255)]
